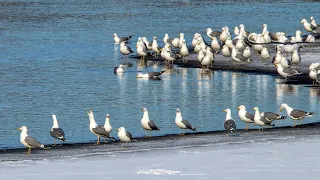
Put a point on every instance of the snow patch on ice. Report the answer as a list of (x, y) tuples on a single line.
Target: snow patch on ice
[(158, 172)]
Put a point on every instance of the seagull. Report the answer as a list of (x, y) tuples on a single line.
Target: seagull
[(150, 75), (225, 51), (261, 121), (124, 135), (265, 53), (125, 50), (298, 37), (286, 72), (118, 40), (237, 56), (184, 50), (29, 141), (142, 51), (229, 123), (107, 126), (245, 116), (212, 34), (215, 44), (307, 26), (118, 70), (247, 52), (295, 114), (98, 130), (155, 48), (56, 132), (182, 123), (295, 57), (146, 123), (277, 58), (310, 38)]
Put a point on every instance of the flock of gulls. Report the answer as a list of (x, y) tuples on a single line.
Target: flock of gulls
[(261, 119), (238, 49)]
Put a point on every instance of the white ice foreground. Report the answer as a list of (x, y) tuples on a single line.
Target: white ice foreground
[(296, 158)]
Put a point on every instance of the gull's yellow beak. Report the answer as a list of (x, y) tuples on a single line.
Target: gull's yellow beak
[(224, 110), (19, 129), (252, 108), (238, 108), (117, 130), (142, 108), (281, 109)]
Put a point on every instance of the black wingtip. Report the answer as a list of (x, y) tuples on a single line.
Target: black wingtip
[(310, 113), (283, 117)]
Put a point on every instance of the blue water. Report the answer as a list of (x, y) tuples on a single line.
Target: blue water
[(58, 57)]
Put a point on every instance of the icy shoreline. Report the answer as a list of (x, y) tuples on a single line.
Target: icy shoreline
[(295, 158)]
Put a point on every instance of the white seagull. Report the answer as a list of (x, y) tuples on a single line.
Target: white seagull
[(182, 123), (124, 135), (118, 40), (245, 116), (295, 114), (29, 141), (146, 123)]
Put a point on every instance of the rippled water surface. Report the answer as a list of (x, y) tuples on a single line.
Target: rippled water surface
[(58, 57)]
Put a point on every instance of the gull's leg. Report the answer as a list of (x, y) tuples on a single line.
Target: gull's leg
[(105, 141), (126, 144), (98, 141), (54, 142), (29, 151), (122, 144), (61, 143), (146, 133)]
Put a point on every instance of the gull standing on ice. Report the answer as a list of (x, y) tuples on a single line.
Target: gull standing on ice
[(124, 135), (295, 114), (146, 123), (29, 141), (56, 132), (182, 123), (245, 116), (260, 120), (229, 123)]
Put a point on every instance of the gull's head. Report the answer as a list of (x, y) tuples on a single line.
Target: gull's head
[(139, 75), (247, 48), (108, 116), (22, 128), (311, 18), (121, 129), (241, 107), (178, 110), (154, 37), (144, 109), (90, 113), (54, 116), (303, 21), (115, 35), (284, 105), (120, 66), (122, 43), (227, 110), (255, 109)]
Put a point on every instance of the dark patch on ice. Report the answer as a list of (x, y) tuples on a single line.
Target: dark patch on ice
[(169, 141)]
